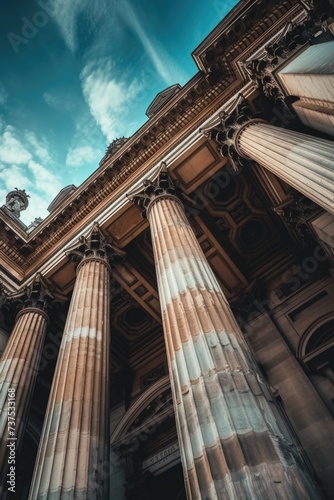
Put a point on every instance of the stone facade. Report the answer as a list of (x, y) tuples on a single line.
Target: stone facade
[(168, 330)]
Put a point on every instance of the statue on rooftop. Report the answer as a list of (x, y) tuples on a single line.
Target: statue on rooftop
[(16, 201), (113, 147)]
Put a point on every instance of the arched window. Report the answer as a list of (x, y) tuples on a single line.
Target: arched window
[(316, 348), (316, 352)]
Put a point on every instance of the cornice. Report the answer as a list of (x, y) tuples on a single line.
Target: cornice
[(245, 25)]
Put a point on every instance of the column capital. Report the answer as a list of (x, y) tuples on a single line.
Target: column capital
[(226, 133), (38, 295), (95, 246), (296, 214), (161, 186)]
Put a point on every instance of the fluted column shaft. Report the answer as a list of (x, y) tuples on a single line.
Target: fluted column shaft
[(18, 371), (232, 445), (304, 162), (74, 442)]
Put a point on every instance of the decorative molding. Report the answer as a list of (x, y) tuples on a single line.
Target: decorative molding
[(160, 187), (16, 201), (226, 133), (113, 147), (95, 246), (161, 99), (296, 213), (122, 433), (37, 295), (291, 39)]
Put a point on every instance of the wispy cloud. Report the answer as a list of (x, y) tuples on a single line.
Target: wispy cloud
[(95, 13), (165, 66), (40, 147), (11, 149), (79, 156), (59, 102), (52, 100), (13, 176), (67, 15), (44, 180), (109, 99)]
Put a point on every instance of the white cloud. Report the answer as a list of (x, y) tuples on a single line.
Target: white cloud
[(45, 181), (65, 15), (79, 156), (40, 147), (108, 99), (11, 149), (13, 176)]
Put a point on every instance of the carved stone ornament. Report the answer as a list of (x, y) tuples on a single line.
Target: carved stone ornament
[(95, 245), (161, 186), (296, 215), (38, 294), (16, 201), (225, 133), (114, 146), (292, 37)]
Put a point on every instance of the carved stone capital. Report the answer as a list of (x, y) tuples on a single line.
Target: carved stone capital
[(95, 246), (161, 186), (296, 214), (37, 295), (226, 133)]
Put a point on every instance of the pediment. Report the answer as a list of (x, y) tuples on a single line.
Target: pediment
[(161, 98), (64, 193)]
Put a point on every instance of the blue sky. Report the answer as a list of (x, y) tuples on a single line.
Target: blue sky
[(76, 74)]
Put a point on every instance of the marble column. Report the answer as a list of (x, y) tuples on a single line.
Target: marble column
[(304, 162), (19, 366), (73, 455), (231, 440)]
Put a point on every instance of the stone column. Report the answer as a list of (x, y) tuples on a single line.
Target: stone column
[(304, 162), (231, 443), (19, 367), (73, 455)]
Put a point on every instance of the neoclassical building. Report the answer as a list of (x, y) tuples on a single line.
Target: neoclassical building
[(168, 330)]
